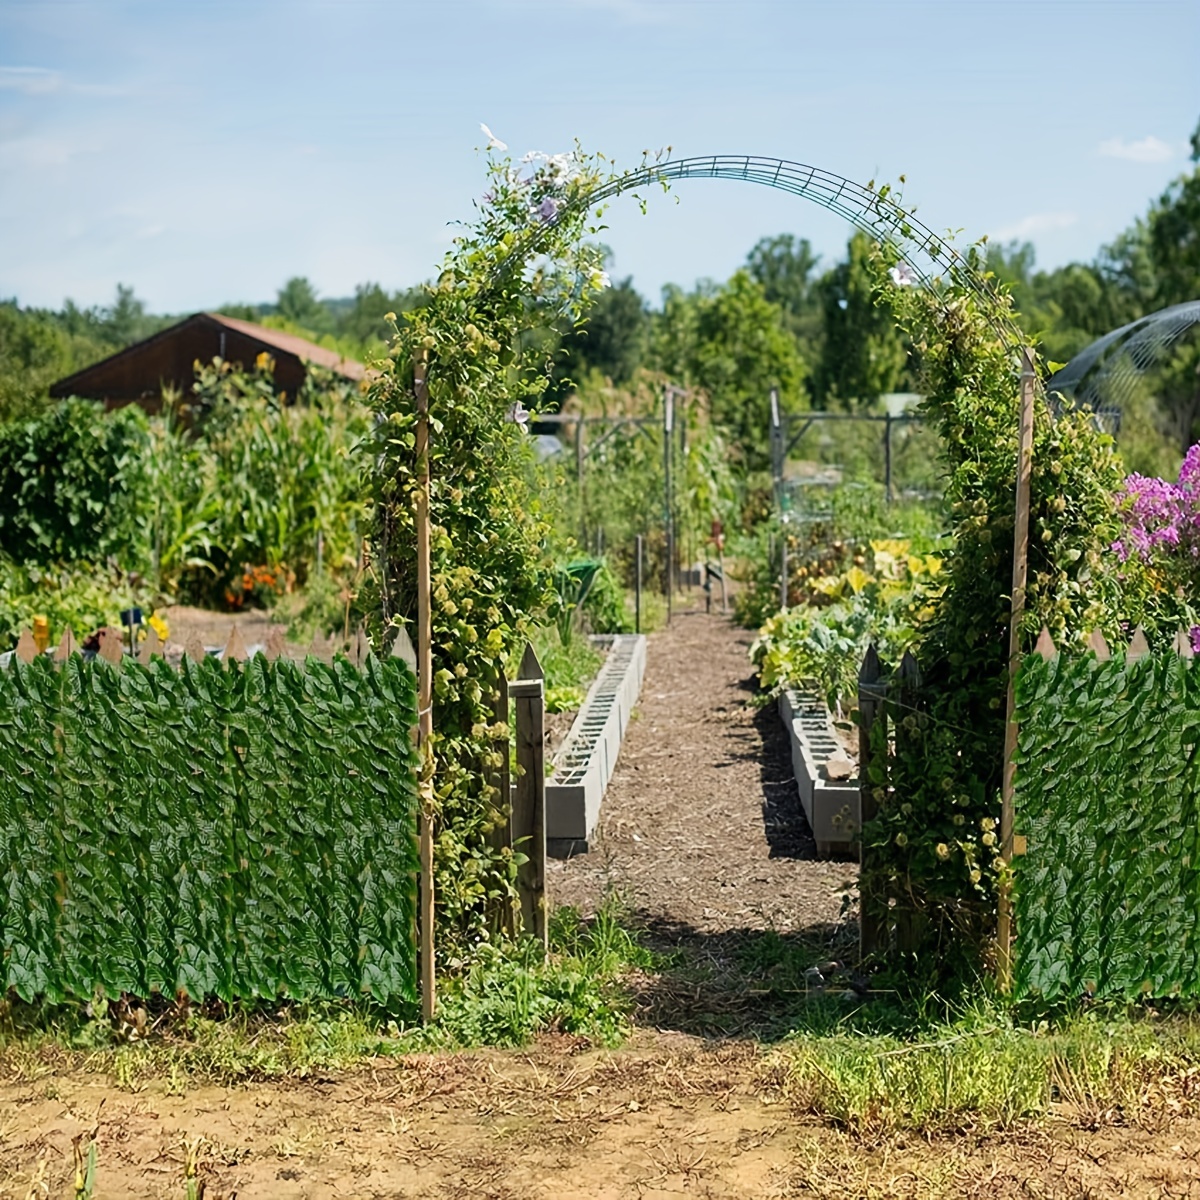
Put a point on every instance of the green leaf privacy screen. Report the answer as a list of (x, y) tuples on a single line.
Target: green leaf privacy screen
[(1108, 792), (235, 831)]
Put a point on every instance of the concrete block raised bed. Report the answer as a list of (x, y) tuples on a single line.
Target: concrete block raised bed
[(831, 805), (585, 762)]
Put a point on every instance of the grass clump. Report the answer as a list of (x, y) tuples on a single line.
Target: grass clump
[(984, 1070)]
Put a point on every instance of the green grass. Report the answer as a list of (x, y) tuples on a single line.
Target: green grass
[(873, 1064), (985, 1070)]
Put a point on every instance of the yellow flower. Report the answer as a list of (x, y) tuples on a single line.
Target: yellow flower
[(160, 626), (943, 851)]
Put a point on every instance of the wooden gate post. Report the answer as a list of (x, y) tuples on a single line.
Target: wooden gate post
[(529, 801), (1019, 573), (871, 690), (500, 778), (910, 922), (424, 686)]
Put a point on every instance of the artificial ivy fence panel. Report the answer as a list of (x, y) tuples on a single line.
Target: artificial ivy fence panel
[(1108, 800), (239, 831)]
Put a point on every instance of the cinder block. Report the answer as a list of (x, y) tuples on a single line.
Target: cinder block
[(585, 763), (832, 806)]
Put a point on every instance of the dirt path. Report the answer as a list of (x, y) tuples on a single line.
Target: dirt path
[(664, 1117), (701, 832)]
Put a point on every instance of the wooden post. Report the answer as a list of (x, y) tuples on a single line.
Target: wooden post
[(909, 922), (501, 837), (424, 687), (870, 709), (668, 496), (529, 802), (1019, 574), (580, 467), (637, 587), (887, 457)]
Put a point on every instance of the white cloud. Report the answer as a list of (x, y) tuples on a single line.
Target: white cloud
[(33, 81), (1032, 225), (1149, 149)]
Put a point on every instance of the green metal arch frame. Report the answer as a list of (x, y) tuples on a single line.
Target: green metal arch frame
[(930, 256)]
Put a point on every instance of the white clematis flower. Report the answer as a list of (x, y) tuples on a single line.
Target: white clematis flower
[(494, 143)]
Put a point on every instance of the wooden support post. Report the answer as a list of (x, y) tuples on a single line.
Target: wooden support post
[(909, 922), (637, 586), (669, 497), (887, 457), (580, 467), (1019, 574), (424, 688), (529, 801), (501, 837), (871, 691)]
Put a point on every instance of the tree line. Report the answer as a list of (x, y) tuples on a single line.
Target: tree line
[(819, 334)]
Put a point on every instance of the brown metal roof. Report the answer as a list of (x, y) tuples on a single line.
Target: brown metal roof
[(289, 343), (139, 373)]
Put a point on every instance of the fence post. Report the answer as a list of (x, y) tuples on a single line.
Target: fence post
[(909, 921), (1019, 571), (529, 802), (887, 457), (871, 691), (637, 587), (424, 686), (500, 778), (668, 496)]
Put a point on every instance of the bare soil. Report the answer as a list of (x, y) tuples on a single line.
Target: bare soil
[(703, 838), (667, 1116)]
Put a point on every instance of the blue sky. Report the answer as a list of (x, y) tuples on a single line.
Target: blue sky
[(204, 151)]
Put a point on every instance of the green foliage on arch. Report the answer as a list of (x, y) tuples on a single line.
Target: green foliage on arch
[(528, 259)]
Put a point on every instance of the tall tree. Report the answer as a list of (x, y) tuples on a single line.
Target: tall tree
[(1174, 236), (863, 354), (297, 302), (736, 347), (784, 266), (613, 339)]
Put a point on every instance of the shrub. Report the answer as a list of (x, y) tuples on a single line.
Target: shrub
[(75, 486)]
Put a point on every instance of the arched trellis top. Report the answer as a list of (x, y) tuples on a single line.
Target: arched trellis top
[(1107, 371), (928, 255)]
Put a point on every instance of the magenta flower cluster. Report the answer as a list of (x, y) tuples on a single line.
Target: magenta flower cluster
[(1161, 518)]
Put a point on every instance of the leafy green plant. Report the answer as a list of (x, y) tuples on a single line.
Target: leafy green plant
[(80, 596), (220, 830), (825, 646), (74, 486), (525, 262), (944, 775), (1108, 784)]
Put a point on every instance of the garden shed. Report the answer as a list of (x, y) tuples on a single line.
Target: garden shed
[(138, 374)]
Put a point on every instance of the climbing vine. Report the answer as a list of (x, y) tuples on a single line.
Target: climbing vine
[(934, 845), (526, 260)]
